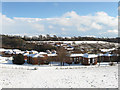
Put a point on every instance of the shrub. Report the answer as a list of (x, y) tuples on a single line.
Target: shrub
[(112, 64), (18, 59), (35, 68)]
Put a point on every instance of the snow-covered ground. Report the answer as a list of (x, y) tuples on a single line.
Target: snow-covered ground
[(77, 42), (103, 76)]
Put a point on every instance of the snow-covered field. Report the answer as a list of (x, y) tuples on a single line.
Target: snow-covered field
[(77, 42), (74, 41), (60, 77)]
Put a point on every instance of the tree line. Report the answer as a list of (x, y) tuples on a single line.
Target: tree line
[(74, 38), (19, 42)]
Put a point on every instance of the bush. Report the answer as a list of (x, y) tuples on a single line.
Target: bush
[(18, 59), (76, 62), (112, 64), (35, 68), (46, 62)]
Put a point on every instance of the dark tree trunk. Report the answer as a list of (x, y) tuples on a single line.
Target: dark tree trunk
[(63, 63)]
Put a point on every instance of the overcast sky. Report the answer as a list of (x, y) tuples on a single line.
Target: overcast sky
[(99, 19)]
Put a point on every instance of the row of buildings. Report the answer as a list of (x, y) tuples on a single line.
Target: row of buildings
[(35, 57)]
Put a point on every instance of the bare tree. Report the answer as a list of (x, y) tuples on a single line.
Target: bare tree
[(99, 58), (62, 55), (51, 59)]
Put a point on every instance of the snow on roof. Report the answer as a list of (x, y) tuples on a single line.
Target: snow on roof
[(33, 51), (52, 55), (2, 50), (100, 54), (57, 45), (107, 50), (76, 55), (107, 54), (19, 52), (29, 55), (37, 55), (42, 53), (9, 52), (16, 50), (69, 48), (25, 54), (86, 55)]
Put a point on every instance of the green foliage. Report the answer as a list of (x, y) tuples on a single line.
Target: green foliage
[(18, 59)]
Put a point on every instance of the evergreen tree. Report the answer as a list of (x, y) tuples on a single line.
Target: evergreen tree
[(18, 59)]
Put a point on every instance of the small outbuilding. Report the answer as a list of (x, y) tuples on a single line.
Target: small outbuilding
[(107, 57), (89, 59), (76, 58), (37, 58)]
